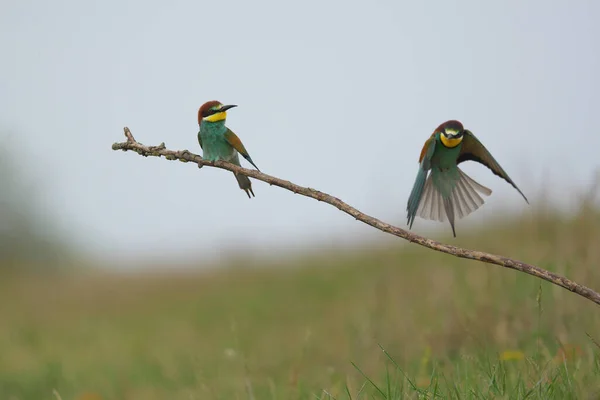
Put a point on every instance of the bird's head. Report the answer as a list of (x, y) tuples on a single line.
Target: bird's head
[(451, 133), (213, 111)]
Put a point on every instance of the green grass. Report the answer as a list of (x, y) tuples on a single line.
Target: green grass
[(388, 323)]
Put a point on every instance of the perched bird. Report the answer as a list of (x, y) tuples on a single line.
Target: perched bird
[(447, 192), (219, 143)]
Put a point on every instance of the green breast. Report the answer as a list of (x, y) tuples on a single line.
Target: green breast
[(214, 145), (444, 157), (444, 170)]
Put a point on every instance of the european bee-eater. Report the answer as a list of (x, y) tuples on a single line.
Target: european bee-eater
[(447, 192), (219, 143)]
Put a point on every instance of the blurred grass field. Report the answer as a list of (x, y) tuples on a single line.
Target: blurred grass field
[(393, 322)]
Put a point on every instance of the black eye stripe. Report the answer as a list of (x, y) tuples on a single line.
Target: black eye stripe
[(209, 112)]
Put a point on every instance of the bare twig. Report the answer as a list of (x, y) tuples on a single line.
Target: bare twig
[(593, 340), (186, 156)]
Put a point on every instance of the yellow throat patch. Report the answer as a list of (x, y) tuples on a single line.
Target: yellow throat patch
[(450, 142), (220, 116)]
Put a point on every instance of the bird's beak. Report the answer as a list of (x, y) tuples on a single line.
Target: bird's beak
[(225, 108)]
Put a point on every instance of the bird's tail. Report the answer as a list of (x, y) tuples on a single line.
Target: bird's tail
[(245, 184), (243, 181), (460, 200)]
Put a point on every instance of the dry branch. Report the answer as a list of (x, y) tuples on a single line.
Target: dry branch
[(186, 156)]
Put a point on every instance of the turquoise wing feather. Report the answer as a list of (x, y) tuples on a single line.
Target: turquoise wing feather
[(417, 190)]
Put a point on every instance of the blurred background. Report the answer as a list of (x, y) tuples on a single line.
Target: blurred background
[(136, 278)]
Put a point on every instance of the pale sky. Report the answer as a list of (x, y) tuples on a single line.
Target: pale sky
[(336, 95)]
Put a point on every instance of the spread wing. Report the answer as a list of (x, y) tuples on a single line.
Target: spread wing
[(427, 153), (237, 144), (417, 191), (473, 150)]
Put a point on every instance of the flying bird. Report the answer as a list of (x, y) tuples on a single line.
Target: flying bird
[(219, 143), (442, 191)]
